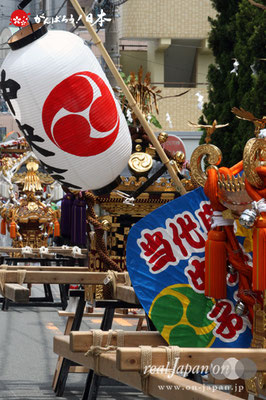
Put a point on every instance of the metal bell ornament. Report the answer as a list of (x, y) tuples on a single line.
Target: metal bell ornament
[(231, 269), (240, 308), (247, 218)]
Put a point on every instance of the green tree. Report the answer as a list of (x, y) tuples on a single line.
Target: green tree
[(237, 32)]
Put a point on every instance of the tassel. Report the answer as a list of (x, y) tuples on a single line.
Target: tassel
[(78, 228), (13, 230), (259, 254), (3, 227), (56, 228), (215, 265), (66, 215)]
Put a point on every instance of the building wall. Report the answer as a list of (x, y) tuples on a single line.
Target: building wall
[(155, 61), (203, 62), (165, 18), (181, 109)]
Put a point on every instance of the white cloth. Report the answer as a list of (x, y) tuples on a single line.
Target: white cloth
[(76, 252), (219, 220)]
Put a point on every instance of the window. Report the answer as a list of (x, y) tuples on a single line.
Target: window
[(180, 61)]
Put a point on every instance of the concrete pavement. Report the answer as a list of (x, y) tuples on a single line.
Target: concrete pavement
[(27, 361)]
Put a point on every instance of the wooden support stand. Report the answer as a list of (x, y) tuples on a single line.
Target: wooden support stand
[(11, 278), (63, 367)]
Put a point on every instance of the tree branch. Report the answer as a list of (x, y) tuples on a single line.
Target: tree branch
[(257, 4)]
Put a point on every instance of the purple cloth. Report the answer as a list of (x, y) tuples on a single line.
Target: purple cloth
[(66, 215), (78, 226)]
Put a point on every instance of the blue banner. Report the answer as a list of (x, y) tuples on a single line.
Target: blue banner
[(165, 261)]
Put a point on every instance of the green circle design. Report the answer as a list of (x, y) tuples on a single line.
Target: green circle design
[(171, 309), (185, 336), (179, 319), (198, 307)]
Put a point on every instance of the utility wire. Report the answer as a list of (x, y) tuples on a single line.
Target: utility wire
[(165, 65)]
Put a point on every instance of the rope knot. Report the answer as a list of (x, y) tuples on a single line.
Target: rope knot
[(97, 349)]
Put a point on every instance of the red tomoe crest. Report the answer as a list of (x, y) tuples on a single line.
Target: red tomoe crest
[(79, 117)]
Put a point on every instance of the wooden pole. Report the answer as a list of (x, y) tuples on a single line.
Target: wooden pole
[(131, 101)]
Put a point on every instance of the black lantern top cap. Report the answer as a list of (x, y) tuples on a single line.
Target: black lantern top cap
[(27, 35)]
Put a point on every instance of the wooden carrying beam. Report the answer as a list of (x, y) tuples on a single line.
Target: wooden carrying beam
[(129, 358), (43, 268), (126, 293), (36, 251), (52, 251), (100, 314), (187, 389), (81, 341), (85, 278), (16, 292)]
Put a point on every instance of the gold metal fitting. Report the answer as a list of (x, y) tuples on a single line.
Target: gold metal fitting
[(140, 163), (233, 194), (162, 137), (106, 225)]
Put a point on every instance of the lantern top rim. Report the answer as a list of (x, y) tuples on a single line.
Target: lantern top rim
[(27, 35), (107, 188)]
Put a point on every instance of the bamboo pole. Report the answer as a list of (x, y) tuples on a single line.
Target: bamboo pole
[(132, 103)]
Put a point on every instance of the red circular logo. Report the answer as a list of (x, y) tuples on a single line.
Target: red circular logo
[(19, 18), (174, 144), (80, 115)]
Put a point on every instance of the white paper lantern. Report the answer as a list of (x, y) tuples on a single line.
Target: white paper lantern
[(63, 103)]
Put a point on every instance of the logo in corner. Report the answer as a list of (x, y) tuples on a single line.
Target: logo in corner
[(19, 18)]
